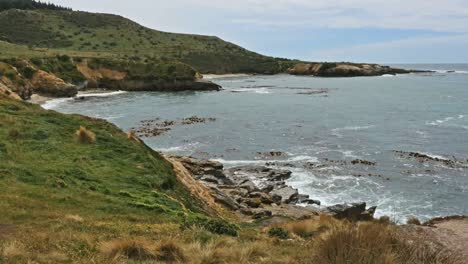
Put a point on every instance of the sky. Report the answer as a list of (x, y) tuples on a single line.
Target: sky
[(378, 31)]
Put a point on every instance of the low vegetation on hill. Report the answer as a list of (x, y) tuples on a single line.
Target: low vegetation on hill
[(76, 33)]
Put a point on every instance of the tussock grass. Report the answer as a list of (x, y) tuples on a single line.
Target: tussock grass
[(142, 250), (85, 136)]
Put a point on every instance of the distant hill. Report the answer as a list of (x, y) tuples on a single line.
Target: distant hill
[(44, 31), (29, 4)]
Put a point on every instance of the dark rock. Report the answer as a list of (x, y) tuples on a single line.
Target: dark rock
[(304, 199), (253, 203), (363, 162), (276, 198), (368, 215), (246, 211), (353, 211)]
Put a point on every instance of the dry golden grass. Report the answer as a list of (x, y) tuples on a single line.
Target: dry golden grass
[(85, 136), (75, 218), (334, 242), (143, 250)]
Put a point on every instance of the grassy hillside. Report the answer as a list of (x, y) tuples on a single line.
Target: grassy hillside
[(76, 33), (47, 171)]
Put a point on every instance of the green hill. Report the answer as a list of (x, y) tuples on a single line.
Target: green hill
[(47, 171), (46, 32)]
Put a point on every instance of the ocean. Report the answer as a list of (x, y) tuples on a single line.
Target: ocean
[(322, 129)]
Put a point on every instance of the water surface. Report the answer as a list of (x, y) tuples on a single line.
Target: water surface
[(324, 122)]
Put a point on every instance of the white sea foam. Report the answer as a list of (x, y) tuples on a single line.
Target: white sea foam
[(252, 90), (445, 120), (353, 128), (53, 103), (100, 94), (301, 158)]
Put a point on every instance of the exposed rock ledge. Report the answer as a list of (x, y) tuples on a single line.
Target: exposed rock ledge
[(159, 85), (344, 70), (255, 192)]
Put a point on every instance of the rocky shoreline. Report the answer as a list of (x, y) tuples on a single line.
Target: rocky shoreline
[(256, 192)]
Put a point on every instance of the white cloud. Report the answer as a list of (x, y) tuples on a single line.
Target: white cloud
[(437, 15), (417, 49)]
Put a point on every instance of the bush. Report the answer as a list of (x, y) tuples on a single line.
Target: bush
[(141, 250), (131, 249), (278, 232), (85, 136), (412, 220), (13, 133), (216, 226)]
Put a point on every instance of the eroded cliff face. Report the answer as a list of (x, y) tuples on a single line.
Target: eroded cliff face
[(50, 85), (6, 91), (95, 77), (144, 77), (342, 69), (25, 79)]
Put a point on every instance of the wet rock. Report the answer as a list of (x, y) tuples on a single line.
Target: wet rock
[(195, 120), (363, 162), (287, 194), (304, 199), (421, 157), (270, 154), (368, 215), (353, 211)]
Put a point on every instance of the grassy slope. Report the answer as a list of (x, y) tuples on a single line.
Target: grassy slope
[(45, 173), (45, 32)]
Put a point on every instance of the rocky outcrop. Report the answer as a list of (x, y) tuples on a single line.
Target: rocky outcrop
[(252, 191), (48, 84), (159, 85), (353, 211), (119, 78), (6, 91), (343, 69)]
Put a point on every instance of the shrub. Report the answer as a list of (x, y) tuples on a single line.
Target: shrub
[(85, 136), (216, 226), (131, 249), (412, 220), (169, 251), (13, 133), (28, 72), (278, 232), (141, 250)]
